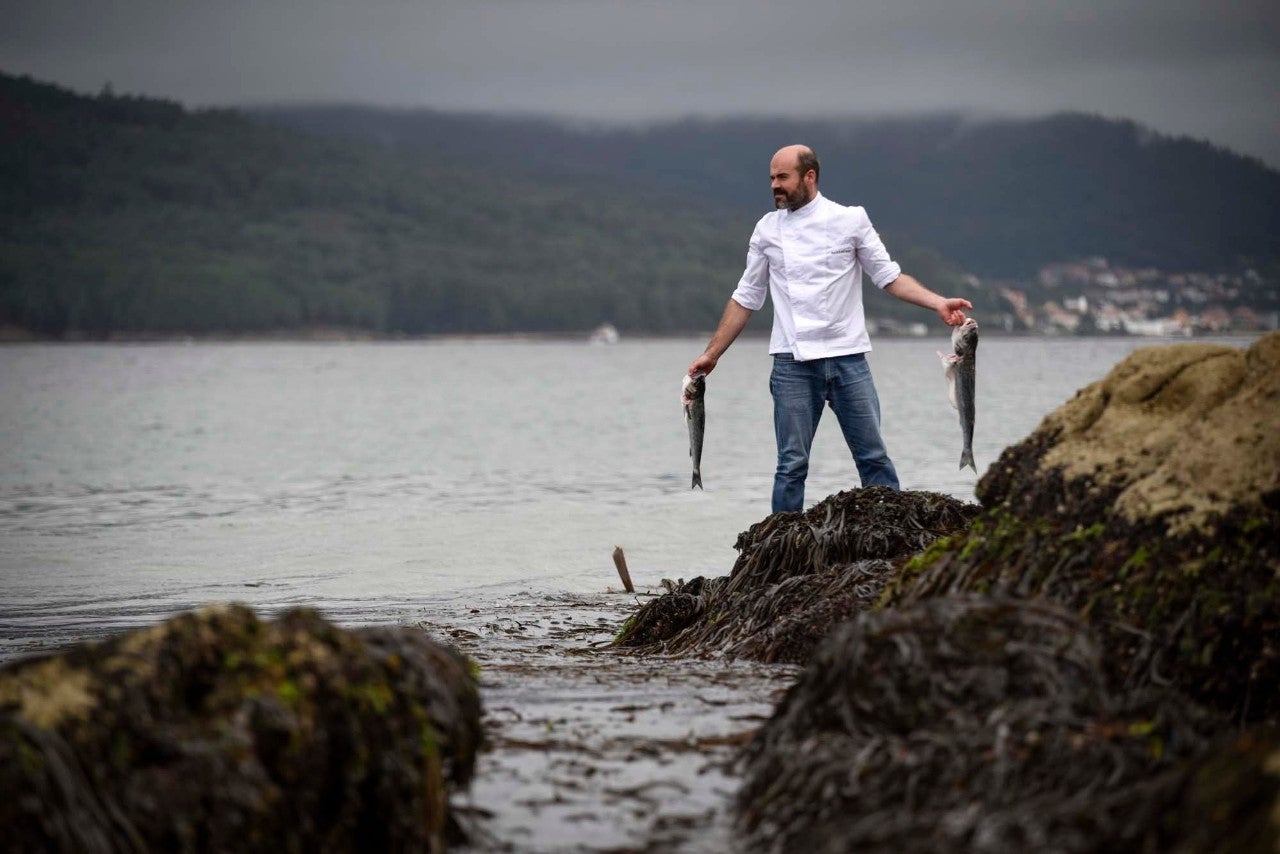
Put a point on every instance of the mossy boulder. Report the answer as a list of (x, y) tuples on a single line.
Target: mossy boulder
[(985, 723), (1150, 505), (1230, 799), (797, 575), (217, 731)]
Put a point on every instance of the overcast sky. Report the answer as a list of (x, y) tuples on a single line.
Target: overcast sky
[(1210, 70)]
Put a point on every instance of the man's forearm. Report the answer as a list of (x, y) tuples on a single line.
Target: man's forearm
[(908, 289), (732, 322)]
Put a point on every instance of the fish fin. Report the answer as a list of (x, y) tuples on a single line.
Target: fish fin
[(697, 481), (966, 459)]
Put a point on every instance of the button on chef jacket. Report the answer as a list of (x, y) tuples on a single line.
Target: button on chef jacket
[(811, 260)]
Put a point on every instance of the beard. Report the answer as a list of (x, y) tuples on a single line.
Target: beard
[(794, 200)]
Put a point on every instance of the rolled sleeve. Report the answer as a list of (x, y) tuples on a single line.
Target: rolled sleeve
[(872, 255), (753, 287)]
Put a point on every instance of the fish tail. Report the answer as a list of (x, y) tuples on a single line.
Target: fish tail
[(697, 480), (966, 459)]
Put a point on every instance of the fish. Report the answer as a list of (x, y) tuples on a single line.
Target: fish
[(692, 395), (962, 374)]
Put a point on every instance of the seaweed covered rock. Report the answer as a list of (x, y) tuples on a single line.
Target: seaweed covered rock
[(797, 575), (1231, 798), (217, 731), (1150, 503), (966, 723)]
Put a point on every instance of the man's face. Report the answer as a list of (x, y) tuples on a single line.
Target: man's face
[(790, 189)]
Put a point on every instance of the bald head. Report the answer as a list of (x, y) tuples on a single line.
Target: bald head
[(793, 174), (798, 157)]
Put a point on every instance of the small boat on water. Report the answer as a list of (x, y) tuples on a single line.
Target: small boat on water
[(605, 333)]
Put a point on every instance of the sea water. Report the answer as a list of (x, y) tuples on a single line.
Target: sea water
[(369, 479)]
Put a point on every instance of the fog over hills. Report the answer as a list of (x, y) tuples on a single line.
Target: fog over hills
[(129, 215), (1002, 197)]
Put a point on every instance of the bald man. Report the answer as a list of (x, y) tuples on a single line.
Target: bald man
[(810, 254)]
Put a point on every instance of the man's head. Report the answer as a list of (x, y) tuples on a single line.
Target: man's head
[(793, 174)]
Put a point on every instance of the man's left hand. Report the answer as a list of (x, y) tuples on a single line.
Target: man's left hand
[(951, 311)]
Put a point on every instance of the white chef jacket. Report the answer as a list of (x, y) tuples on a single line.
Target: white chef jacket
[(811, 260)]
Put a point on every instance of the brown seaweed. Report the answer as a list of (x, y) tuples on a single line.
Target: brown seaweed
[(966, 723), (1064, 674), (1230, 799), (797, 575), (1187, 593), (215, 731)]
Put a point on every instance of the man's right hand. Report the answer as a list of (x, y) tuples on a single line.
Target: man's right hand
[(704, 364)]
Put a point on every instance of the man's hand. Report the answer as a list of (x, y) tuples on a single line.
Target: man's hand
[(704, 364), (909, 290), (950, 310)]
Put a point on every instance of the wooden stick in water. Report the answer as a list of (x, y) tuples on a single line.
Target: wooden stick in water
[(620, 561)]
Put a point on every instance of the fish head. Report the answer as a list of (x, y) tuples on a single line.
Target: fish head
[(694, 386), (964, 338)]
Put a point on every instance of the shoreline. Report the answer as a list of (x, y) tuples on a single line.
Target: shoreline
[(595, 749), (588, 748), (17, 337)]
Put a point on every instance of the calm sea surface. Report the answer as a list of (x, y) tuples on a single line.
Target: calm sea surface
[(369, 478)]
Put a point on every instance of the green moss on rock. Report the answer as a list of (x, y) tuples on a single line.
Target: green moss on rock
[(217, 731), (967, 723), (1149, 504)]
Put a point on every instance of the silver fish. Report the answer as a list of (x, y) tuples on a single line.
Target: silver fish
[(692, 395), (962, 374)]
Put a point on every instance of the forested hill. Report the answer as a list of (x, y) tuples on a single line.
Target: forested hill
[(130, 215), (1000, 197), (133, 215)]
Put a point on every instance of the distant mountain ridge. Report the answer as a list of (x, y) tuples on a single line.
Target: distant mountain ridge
[(126, 215), (1002, 197)]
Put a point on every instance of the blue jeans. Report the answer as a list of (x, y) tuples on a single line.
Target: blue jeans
[(799, 391)]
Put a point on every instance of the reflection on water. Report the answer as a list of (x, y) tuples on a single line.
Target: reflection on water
[(368, 478)]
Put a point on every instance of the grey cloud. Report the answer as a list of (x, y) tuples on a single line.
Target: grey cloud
[(1205, 69)]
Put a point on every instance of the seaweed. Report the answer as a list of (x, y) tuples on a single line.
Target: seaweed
[(1230, 799), (796, 576), (1185, 592), (218, 731), (1065, 673), (966, 723), (1199, 611)]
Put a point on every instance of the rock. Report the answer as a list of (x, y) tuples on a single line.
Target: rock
[(215, 731), (1148, 505), (1185, 433), (984, 723), (797, 575), (1231, 798), (1064, 672)]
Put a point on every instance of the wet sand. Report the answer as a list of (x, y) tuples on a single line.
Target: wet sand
[(588, 749), (591, 749)]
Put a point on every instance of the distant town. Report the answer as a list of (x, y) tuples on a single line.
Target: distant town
[(1093, 297)]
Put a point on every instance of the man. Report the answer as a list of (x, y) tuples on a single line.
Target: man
[(810, 254)]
